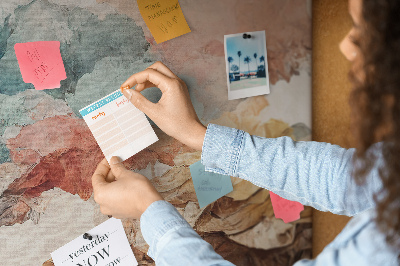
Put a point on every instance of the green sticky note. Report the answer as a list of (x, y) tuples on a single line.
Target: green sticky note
[(209, 186)]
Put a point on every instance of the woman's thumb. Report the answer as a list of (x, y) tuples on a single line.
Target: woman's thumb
[(117, 167)]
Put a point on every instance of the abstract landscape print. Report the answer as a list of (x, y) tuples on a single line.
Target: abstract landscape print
[(48, 154)]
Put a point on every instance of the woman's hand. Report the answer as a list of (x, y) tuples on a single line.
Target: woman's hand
[(121, 192), (174, 113)]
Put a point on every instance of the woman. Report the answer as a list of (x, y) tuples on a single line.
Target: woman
[(317, 174)]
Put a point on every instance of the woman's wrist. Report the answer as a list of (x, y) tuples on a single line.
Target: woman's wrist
[(194, 136), (199, 137)]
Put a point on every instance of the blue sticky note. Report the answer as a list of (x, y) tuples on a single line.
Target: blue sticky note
[(209, 186)]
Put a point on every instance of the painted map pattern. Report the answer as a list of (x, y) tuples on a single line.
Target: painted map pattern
[(47, 153)]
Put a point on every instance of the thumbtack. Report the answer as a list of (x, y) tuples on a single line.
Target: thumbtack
[(87, 236), (124, 88), (246, 36)]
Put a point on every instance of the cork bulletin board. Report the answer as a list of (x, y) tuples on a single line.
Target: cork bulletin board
[(47, 153)]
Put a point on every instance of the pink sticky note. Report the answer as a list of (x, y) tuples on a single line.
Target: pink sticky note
[(41, 63), (287, 210)]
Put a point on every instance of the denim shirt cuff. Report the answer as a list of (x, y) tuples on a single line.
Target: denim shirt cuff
[(157, 220), (222, 148)]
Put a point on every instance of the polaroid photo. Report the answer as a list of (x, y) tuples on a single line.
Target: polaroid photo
[(246, 64)]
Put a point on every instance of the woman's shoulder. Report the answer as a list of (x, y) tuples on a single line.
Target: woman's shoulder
[(361, 240)]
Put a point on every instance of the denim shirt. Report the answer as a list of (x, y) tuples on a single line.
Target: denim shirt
[(312, 173)]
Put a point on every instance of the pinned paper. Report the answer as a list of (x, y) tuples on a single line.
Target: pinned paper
[(209, 186), (284, 209), (108, 246), (118, 126), (41, 64), (164, 18)]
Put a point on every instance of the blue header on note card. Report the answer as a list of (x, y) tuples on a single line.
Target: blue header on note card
[(102, 102)]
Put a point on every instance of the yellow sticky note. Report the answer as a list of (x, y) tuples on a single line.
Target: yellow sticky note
[(164, 18)]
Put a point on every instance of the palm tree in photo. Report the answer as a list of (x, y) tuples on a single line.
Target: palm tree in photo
[(255, 58), (239, 55), (230, 60), (247, 60), (262, 59)]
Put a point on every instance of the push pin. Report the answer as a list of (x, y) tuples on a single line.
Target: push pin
[(87, 236), (124, 88), (246, 36)]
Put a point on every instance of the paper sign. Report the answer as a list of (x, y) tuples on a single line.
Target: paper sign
[(118, 126), (164, 18), (284, 209), (109, 246), (209, 186), (41, 64)]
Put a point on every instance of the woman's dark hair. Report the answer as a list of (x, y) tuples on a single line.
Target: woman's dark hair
[(375, 102)]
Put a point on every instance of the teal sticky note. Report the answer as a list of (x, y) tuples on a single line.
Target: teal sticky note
[(209, 186)]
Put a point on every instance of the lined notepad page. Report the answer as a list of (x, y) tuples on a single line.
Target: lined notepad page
[(118, 126)]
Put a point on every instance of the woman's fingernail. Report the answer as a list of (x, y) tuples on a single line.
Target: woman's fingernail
[(115, 160), (128, 94)]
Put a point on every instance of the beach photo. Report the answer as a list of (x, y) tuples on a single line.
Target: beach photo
[(246, 64)]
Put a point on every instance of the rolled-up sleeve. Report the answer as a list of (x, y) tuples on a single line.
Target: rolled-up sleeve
[(316, 174), (172, 240)]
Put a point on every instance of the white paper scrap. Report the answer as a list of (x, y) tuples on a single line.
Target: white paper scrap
[(108, 247)]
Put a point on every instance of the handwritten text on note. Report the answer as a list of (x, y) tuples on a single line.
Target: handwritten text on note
[(164, 18), (41, 63), (209, 186)]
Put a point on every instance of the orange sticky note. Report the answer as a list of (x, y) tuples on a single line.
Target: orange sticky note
[(41, 64), (164, 18), (284, 209)]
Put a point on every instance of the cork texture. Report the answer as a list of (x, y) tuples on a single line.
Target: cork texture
[(330, 98)]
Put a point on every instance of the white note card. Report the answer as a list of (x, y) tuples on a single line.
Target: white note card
[(108, 247), (118, 126)]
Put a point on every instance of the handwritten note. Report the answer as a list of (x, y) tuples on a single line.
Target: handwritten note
[(164, 18), (209, 186), (41, 64), (118, 126), (284, 209), (108, 246)]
